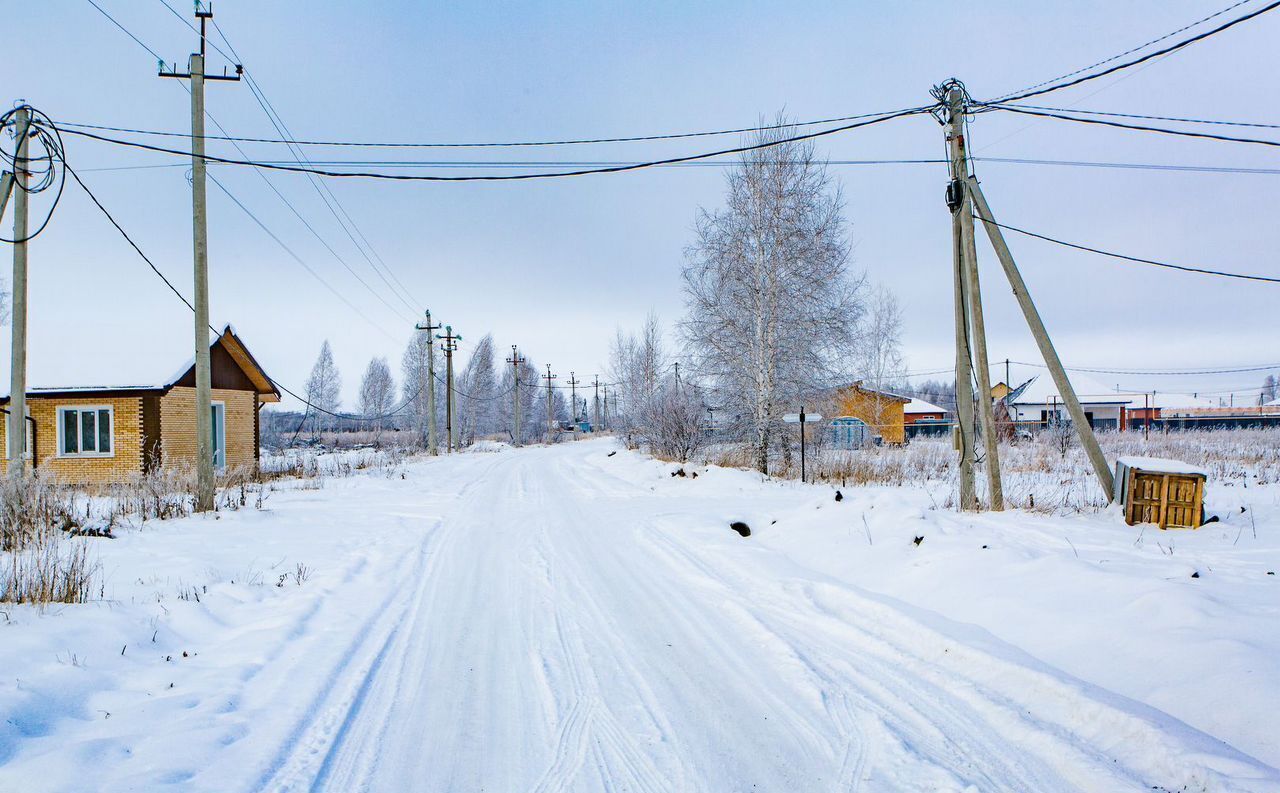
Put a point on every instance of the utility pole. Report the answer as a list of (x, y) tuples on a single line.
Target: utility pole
[(1087, 439), (978, 330), (550, 413), (515, 360), (595, 427), (573, 404), (957, 203), (200, 238), (431, 383), (450, 344), (677, 375), (606, 406), (16, 429)]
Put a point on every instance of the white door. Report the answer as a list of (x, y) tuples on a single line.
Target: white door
[(219, 435)]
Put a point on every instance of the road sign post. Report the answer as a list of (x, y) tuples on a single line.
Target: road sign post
[(801, 418)]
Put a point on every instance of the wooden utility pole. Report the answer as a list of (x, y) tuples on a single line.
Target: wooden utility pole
[(596, 426), (1087, 439), (550, 411), (573, 404), (605, 424), (200, 238), (964, 360), (17, 430), (515, 360), (432, 446), (978, 331), (450, 344)]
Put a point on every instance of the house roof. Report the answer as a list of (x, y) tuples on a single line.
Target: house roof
[(1041, 390), (228, 340), (867, 389), (920, 406)]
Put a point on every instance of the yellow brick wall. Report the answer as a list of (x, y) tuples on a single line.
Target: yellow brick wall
[(178, 426), (126, 441), (882, 413)]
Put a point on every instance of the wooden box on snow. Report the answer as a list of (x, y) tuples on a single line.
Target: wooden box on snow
[(1167, 493)]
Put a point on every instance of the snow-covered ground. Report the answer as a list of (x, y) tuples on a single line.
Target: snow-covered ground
[(565, 618)]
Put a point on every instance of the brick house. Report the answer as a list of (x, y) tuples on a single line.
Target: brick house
[(881, 411), (103, 434)]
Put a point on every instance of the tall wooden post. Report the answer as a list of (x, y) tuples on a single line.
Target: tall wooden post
[(964, 360), (200, 243), (17, 430)]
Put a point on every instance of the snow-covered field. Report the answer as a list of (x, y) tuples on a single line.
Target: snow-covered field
[(576, 618)]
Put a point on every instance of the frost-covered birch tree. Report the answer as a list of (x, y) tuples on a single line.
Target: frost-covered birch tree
[(772, 310), (377, 393), (414, 370), (324, 386), (478, 393), (528, 395)]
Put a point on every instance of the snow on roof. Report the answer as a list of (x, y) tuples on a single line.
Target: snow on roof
[(1041, 390), (1173, 401), (920, 406), (1162, 465)]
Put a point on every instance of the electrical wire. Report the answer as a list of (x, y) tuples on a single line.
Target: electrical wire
[(44, 166), (1139, 127), (1180, 119), (127, 238), (510, 177), (727, 163), (485, 144), (1042, 88), (296, 257), (273, 188), (159, 60), (1139, 260)]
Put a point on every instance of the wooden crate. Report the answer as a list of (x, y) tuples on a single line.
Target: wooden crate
[(1167, 493)]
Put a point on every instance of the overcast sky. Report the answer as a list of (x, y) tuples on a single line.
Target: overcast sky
[(555, 266)]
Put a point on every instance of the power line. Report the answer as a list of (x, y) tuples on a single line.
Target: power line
[(1153, 118), (126, 236), (296, 257), (273, 188), (1158, 372), (1139, 260), (496, 164), (277, 121), (1139, 127), (1043, 89), (1117, 56), (126, 31), (487, 144), (511, 177)]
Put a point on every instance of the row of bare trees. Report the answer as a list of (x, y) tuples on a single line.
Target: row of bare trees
[(484, 396)]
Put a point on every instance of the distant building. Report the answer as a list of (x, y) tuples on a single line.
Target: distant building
[(919, 410), (1037, 401), (881, 411)]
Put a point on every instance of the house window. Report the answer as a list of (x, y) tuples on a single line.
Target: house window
[(86, 432)]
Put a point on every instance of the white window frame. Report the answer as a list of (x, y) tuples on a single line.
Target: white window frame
[(61, 423)]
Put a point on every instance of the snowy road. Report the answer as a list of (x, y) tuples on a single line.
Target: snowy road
[(567, 628)]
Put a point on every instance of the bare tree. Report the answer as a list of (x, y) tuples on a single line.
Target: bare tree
[(1269, 389), (377, 393), (637, 364), (324, 386), (478, 394), (878, 361), (772, 309), (414, 370), (529, 392)]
